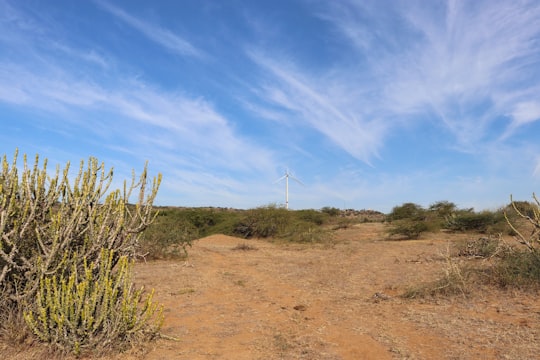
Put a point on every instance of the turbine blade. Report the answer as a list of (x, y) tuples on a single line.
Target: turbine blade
[(281, 178), (295, 179)]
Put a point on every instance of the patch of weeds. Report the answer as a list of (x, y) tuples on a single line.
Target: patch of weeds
[(455, 280), (244, 247), (306, 233), (183, 291), (409, 229), (445, 286), (281, 343), (241, 283), (484, 247), (344, 223)]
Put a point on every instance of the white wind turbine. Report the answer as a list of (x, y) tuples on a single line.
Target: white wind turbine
[(286, 177)]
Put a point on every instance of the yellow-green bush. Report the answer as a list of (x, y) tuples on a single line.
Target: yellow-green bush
[(94, 307), (54, 225)]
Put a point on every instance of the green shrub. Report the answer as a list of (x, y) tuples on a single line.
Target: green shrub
[(483, 222), (304, 232), (175, 229), (517, 268), (312, 216), (93, 307), (523, 208), (521, 266), (48, 221), (279, 223), (410, 229), (442, 209), (408, 211), (530, 214), (331, 211), (165, 238), (264, 222)]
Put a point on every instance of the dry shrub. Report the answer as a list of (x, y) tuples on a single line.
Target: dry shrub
[(456, 279)]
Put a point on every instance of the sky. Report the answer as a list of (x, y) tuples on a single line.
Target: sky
[(368, 104)]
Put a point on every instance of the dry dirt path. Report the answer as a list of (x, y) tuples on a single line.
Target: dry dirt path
[(335, 301)]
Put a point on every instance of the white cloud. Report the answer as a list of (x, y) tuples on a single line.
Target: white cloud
[(462, 62), (153, 32), (154, 123), (319, 104), (526, 112)]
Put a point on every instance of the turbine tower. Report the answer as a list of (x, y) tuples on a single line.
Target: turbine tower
[(286, 177)]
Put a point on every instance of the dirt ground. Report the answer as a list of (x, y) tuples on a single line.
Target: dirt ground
[(331, 301), (338, 300)]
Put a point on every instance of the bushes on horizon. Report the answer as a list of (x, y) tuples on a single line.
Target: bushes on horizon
[(331, 211), (51, 224), (409, 229), (408, 220), (263, 222), (311, 216), (443, 209), (482, 222), (276, 222), (407, 211)]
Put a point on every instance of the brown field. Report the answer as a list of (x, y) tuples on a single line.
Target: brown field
[(251, 299)]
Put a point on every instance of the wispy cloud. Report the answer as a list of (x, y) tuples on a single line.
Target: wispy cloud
[(522, 114), (468, 62), (176, 132), (191, 127), (465, 66), (319, 104), (154, 32)]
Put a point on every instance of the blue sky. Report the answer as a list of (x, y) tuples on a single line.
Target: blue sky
[(369, 103)]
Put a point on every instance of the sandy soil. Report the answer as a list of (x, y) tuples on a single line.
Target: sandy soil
[(332, 301), (338, 300)]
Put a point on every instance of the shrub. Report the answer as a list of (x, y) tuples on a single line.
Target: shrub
[(279, 223), (483, 222), (410, 229), (409, 211), (169, 236), (517, 268), (48, 222), (454, 281), (331, 211), (93, 307), (442, 209), (175, 229), (263, 222), (312, 216), (532, 216), (483, 247)]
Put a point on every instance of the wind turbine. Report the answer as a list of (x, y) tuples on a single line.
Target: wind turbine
[(286, 177)]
